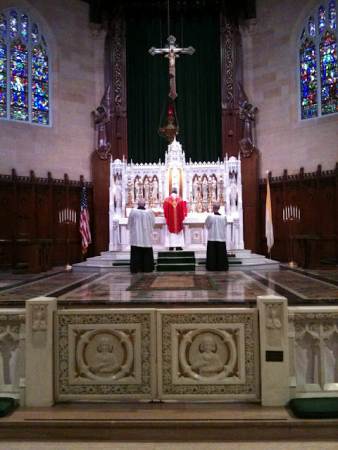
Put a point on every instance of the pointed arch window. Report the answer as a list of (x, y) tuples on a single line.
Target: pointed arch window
[(318, 69), (24, 69)]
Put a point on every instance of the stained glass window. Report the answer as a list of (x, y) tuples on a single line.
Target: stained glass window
[(321, 19), (19, 81), (24, 27), (35, 33), (24, 69), (3, 79), (3, 26), (332, 14), (318, 63), (40, 103), (308, 80), (13, 24), (328, 70), (312, 27), (3, 66)]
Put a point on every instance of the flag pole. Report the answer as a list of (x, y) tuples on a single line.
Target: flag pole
[(268, 217)]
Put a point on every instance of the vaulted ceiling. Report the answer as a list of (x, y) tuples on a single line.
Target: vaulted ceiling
[(102, 10)]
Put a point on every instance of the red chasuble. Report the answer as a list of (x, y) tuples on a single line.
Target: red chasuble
[(175, 211)]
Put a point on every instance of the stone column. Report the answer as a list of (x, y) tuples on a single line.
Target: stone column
[(274, 349), (39, 351)]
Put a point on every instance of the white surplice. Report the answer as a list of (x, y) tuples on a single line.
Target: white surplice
[(216, 226), (141, 223)]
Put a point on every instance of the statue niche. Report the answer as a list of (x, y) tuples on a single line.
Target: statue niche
[(101, 119)]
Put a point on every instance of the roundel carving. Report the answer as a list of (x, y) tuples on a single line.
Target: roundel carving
[(208, 355), (104, 354)]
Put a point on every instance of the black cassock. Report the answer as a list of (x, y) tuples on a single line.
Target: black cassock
[(216, 249), (141, 259), (217, 256), (140, 224)]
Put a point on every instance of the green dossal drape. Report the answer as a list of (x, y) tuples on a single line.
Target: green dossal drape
[(198, 86)]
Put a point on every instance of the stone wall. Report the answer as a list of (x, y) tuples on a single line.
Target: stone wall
[(77, 87), (270, 52)]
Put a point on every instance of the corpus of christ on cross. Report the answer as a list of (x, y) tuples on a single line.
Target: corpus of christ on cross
[(171, 51)]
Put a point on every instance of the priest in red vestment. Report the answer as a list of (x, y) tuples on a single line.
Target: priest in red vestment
[(175, 211)]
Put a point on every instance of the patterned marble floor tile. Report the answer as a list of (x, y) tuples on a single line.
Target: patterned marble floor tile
[(328, 274), (45, 286), (83, 288), (301, 285), (232, 286), (9, 279)]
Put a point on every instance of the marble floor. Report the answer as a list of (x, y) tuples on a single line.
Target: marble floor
[(85, 445), (119, 287)]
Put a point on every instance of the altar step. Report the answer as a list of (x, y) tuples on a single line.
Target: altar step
[(119, 260), (176, 261), (226, 425)]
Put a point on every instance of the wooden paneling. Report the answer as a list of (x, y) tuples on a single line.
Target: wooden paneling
[(250, 167), (31, 235), (315, 194), (100, 170)]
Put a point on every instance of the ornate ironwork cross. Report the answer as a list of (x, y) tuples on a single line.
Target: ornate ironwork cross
[(171, 51)]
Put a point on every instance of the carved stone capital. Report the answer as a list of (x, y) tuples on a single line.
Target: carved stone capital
[(118, 68), (227, 48)]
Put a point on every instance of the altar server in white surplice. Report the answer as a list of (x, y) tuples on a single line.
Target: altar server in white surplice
[(216, 249), (141, 223)]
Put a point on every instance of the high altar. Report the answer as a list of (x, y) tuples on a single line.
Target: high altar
[(199, 183)]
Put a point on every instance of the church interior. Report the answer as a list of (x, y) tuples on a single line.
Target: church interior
[(104, 104)]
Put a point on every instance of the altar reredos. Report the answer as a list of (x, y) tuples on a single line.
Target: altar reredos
[(199, 183)]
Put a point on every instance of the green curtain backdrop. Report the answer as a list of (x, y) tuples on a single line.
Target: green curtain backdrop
[(198, 86)]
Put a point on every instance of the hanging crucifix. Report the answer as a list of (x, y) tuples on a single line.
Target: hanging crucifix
[(171, 51)]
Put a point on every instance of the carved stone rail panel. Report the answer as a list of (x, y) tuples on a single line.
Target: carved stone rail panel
[(313, 341), (12, 351), (105, 354), (208, 354)]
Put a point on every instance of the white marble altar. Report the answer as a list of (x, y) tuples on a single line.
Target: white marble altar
[(199, 183)]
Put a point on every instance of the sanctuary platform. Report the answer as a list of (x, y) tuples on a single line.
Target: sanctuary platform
[(117, 260)]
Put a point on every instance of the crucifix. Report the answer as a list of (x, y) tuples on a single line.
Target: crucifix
[(171, 51)]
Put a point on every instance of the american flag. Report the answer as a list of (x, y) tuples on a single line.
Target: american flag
[(84, 221)]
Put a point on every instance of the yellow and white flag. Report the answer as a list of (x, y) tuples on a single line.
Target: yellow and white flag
[(268, 218)]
